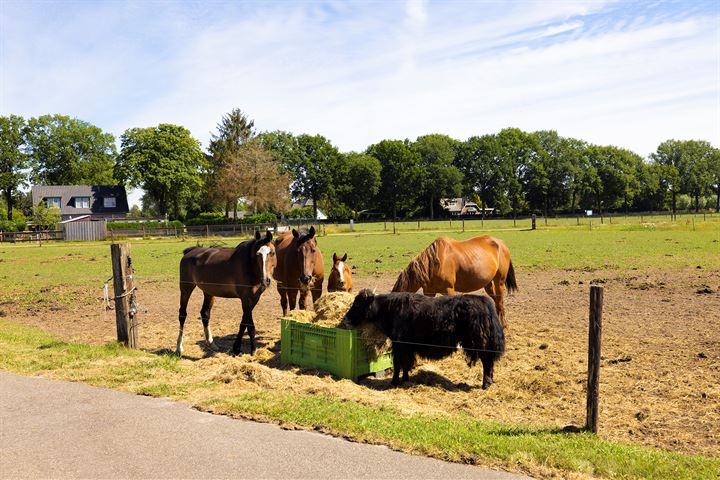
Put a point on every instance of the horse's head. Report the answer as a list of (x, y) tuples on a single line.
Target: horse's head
[(264, 256), (362, 307), (306, 249), (340, 278)]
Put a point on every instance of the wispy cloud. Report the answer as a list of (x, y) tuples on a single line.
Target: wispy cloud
[(631, 74)]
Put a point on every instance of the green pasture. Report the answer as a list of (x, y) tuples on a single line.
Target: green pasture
[(26, 269), (542, 451)]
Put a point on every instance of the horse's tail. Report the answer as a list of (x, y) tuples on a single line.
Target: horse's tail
[(510, 281)]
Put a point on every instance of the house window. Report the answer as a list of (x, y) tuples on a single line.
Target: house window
[(82, 202), (52, 202), (109, 202)]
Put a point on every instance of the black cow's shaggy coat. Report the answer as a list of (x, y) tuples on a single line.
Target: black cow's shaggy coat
[(433, 327)]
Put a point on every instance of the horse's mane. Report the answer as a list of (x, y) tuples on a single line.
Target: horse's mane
[(419, 270)]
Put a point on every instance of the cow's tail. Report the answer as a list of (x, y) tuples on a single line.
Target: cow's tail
[(494, 330)]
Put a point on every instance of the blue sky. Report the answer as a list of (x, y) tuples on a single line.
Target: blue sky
[(630, 74)]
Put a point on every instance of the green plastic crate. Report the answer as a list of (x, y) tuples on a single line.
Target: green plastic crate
[(335, 350)]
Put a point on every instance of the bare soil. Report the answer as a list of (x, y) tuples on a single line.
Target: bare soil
[(659, 378)]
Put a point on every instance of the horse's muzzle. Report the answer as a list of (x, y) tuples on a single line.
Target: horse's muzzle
[(267, 282), (305, 279)]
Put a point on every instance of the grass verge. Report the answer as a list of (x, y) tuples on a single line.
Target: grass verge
[(459, 438)]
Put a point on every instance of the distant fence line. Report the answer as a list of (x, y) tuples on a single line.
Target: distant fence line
[(99, 231)]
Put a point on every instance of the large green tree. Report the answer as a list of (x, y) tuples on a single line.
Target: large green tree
[(440, 177), (312, 167), (14, 161), (233, 131), (517, 150), (68, 151), (478, 161), (714, 170), (400, 176), (166, 161), (616, 181), (358, 182)]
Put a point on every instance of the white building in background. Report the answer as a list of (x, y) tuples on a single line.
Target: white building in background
[(307, 202)]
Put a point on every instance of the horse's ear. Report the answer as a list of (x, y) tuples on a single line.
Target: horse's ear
[(344, 258), (295, 233), (268, 236), (312, 231), (257, 234), (334, 257)]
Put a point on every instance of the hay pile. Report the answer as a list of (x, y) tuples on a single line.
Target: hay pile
[(330, 310)]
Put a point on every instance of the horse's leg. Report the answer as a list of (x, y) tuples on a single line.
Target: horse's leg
[(292, 297), (493, 290), (283, 299), (499, 288), (186, 289), (248, 303), (303, 298), (316, 292), (488, 362), (205, 315)]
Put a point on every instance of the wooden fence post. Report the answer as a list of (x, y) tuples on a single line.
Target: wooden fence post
[(124, 287), (594, 346)]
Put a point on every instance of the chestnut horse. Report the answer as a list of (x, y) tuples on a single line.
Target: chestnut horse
[(299, 269), (448, 266), (242, 272), (340, 278)]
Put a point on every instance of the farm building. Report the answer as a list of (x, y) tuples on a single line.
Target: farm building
[(83, 202), (461, 206)]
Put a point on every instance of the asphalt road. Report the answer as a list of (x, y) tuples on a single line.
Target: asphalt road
[(59, 429)]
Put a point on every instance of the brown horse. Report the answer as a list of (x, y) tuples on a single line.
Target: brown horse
[(340, 278), (448, 266), (242, 272), (299, 269)]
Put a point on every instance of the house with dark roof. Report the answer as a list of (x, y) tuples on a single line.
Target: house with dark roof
[(83, 202), (462, 206)]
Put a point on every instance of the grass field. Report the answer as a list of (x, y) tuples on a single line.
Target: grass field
[(25, 267), (651, 273)]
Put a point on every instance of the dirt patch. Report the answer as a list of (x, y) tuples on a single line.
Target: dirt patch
[(661, 353)]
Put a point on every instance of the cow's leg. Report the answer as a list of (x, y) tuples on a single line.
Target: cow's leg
[(186, 289), (408, 361), (205, 316), (488, 362), (397, 362)]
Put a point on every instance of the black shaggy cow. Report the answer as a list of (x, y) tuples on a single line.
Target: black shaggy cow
[(433, 327)]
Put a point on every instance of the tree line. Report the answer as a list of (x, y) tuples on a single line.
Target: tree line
[(513, 171)]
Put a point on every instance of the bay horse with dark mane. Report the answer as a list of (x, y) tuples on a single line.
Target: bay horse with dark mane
[(448, 266), (300, 268), (340, 278), (243, 272)]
